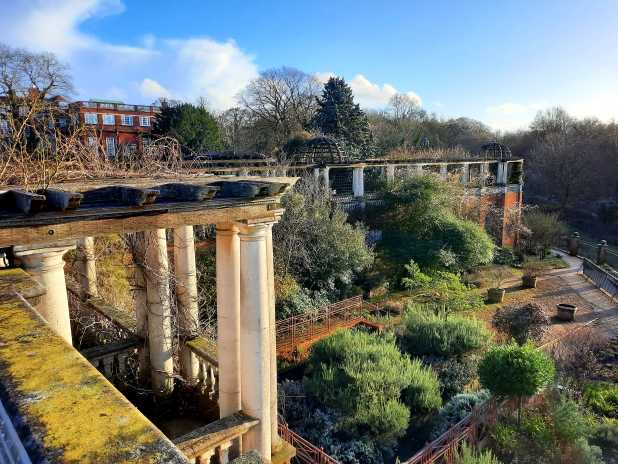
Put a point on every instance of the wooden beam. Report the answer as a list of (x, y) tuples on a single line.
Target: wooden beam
[(67, 225), (62, 199)]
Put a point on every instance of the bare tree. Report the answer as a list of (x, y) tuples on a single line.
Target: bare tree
[(280, 100)]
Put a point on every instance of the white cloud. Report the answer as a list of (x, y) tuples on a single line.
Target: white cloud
[(324, 76), (181, 69), (538, 106), (150, 88), (507, 108), (605, 108), (439, 105), (507, 124)]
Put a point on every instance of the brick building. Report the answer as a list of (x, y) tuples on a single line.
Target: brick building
[(113, 126)]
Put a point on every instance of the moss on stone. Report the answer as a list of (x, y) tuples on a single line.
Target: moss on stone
[(18, 281), (74, 413)]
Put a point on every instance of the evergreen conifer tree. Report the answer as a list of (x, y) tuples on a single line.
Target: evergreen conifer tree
[(338, 116)]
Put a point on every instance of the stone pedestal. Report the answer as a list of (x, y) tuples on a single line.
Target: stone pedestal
[(602, 253), (255, 337), (46, 266), (159, 314), (574, 244)]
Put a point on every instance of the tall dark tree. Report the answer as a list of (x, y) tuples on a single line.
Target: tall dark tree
[(194, 127), (338, 116)]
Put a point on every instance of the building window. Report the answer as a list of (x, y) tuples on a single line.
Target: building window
[(106, 106), (144, 121), (51, 123), (109, 119), (127, 120), (111, 146), (62, 122), (92, 142), (4, 125), (91, 118)]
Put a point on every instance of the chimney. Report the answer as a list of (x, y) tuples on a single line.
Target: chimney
[(164, 104)]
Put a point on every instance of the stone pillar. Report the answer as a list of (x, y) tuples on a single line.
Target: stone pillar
[(326, 178), (390, 174), (255, 337), (602, 253), (443, 170), (141, 303), (465, 173), (228, 317), (358, 187), (316, 174), (186, 297), (499, 175), (272, 323), (84, 255), (574, 244), (418, 169), (159, 314), (505, 172), (45, 265)]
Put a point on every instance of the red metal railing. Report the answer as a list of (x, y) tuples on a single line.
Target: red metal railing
[(474, 428), (303, 327), (306, 453)]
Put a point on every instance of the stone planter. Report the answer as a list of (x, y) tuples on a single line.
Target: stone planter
[(529, 282), (565, 311), (495, 295)]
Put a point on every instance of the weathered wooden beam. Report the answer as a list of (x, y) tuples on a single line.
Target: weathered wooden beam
[(62, 199), (66, 225), (22, 201), (243, 189), (189, 192), (272, 188), (134, 196)]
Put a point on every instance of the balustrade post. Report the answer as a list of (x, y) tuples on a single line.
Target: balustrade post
[(574, 245), (141, 303), (205, 457), (602, 253), (224, 452), (390, 174), (84, 256)]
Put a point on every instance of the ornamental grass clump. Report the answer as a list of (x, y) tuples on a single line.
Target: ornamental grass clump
[(522, 322), (429, 332), (364, 376)]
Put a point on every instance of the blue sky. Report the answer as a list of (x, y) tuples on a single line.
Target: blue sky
[(496, 61)]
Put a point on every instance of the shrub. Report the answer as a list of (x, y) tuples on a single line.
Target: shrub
[(458, 408), (467, 455), (363, 376), (522, 321), (454, 374), (575, 354), (569, 421), (448, 290), (583, 452), (603, 398), (439, 334), (423, 393), (506, 256), (515, 371)]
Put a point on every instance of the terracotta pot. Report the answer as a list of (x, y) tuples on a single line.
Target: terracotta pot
[(495, 295), (565, 311), (529, 282)]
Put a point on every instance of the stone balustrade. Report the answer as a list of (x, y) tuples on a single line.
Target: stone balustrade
[(115, 360)]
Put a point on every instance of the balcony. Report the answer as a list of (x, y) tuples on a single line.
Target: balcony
[(126, 107)]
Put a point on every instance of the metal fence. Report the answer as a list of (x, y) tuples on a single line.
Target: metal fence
[(474, 428), (601, 277), (341, 181), (306, 453), (587, 250), (303, 327)]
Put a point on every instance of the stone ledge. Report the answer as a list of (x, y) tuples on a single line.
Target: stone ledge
[(62, 408), (18, 281), (284, 455), (252, 457), (205, 349)]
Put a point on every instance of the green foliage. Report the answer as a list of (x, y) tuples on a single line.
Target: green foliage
[(569, 421), (423, 393), (514, 370), (603, 398), (315, 246), (504, 437), (522, 321), (457, 409), (583, 452), (417, 279), (454, 374), (363, 376), (439, 334), (446, 289), (194, 127), (545, 230), (418, 217), (338, 116), (467, 455), (506, 256)]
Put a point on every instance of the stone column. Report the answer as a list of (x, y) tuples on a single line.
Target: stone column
[(159, 314), (326, 178), (465, 173), (141, 303), (574, 244), (602, 253), (45, 265), (358, 187), (228, 317), (316, 174), (443, 170), (418, 169), (499, 174), (255, 337), (272, 323), (390, 174), (186, 297), (505, 172), (84, 256)]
